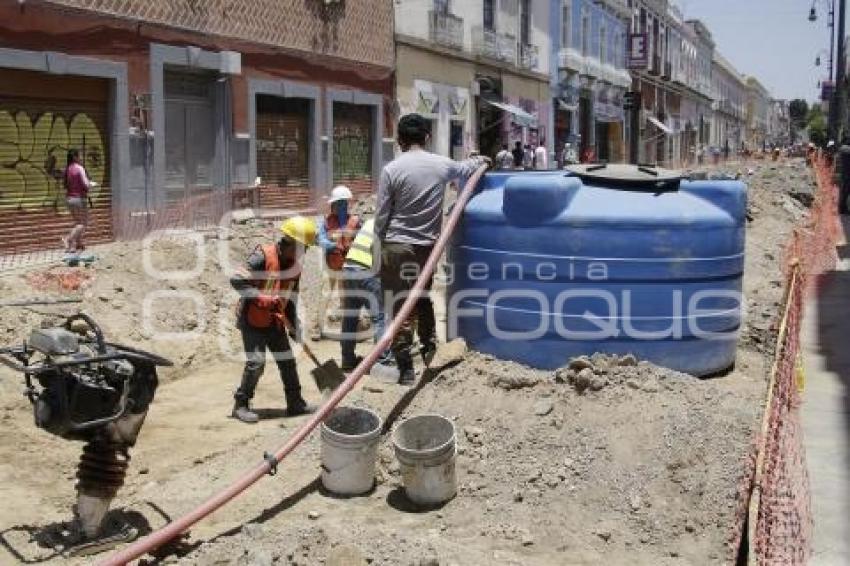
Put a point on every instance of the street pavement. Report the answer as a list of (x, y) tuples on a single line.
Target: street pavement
[(826, 411)]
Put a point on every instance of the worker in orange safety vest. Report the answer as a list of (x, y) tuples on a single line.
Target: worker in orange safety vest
[(266, 313)]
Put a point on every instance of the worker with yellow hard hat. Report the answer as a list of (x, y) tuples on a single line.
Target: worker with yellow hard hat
[(266, 313)]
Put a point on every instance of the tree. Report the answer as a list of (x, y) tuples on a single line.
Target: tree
[(817, 125), (798, 112)]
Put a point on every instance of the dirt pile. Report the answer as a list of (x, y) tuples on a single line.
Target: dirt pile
[(608, 460), (642, 470)]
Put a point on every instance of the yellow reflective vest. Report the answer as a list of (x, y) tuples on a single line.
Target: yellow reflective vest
[(361, 248)]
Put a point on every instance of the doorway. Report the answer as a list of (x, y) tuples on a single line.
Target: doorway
[(456, 140), (190, 147)]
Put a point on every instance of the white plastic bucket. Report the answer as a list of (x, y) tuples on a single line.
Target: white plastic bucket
[(425, 448), (349, 449)]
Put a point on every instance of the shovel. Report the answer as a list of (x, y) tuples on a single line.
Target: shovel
[(328, 375)]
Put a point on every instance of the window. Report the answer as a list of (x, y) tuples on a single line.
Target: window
[(525, 22), (490, 15), (603, 45), (585, 34), (441, 6), (566, 23)]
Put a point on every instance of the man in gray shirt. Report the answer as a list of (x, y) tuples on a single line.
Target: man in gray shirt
[(408, 220)]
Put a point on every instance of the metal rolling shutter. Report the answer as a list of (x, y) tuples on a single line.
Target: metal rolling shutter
[(283, 143), (353, 146), (35, 135)]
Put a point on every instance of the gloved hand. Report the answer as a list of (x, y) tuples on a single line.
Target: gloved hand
[(296, 334)]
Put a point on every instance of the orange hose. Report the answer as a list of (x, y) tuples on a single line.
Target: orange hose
[(180, 525)]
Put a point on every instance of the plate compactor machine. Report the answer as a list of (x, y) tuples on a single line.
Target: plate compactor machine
[(83, 388)]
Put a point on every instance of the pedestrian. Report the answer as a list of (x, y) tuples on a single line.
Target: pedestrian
[(842, 175), (336, 231), (504, 159), (77, 186), (361, 289), (541, 157), (266, 314), (570, 157), (518, 154), (408, 220), (528, 158)]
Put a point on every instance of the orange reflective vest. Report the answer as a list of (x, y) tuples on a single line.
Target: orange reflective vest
[(343, 238), (267, 310)]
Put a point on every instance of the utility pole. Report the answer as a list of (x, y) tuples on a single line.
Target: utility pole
[(836, 108), (633, 105)]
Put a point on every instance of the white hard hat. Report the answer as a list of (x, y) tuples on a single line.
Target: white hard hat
[(340, 192), (831, 143)]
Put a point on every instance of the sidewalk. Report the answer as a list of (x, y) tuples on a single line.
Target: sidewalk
[(826, 413)]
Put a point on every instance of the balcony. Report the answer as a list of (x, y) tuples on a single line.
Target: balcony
[(489, 43), (529, 56), (569, 58), (445, 29)]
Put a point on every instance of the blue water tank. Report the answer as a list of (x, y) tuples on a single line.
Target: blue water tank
[(546, 266)]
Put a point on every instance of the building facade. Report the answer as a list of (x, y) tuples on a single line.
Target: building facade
[(730, 102), (477, 69), (589, 76), (779, 123), (180, 109), (758, 115)]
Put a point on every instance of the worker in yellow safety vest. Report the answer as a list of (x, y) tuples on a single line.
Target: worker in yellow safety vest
[(361, 289)]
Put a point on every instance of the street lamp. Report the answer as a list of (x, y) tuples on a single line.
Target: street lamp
[(836, 106), (813, 16)]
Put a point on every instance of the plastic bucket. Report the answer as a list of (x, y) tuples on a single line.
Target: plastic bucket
[(349, 449), (425, 448)]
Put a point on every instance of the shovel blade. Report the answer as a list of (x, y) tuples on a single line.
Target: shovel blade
[(328, 376)]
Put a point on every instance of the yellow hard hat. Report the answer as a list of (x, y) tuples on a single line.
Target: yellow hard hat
[(301, 229)]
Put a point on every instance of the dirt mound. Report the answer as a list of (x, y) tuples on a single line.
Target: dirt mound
[(641, 470)]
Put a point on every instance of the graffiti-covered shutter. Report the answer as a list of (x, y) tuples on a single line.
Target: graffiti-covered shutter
[(37, 128), (353, 133), (283, 149)]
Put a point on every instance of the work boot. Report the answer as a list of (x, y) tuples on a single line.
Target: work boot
[(296, 405), (242, 411), (405, 369), (428, 350)]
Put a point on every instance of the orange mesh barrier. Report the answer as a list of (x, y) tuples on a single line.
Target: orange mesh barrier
[(779, 517)]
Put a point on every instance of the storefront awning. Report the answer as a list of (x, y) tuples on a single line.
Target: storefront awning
[(660, 125), (568, 107), (520, 116)]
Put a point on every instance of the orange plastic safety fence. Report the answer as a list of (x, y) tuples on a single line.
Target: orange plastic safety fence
[(780, 529)]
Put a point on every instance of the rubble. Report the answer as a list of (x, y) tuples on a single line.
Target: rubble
[(608, 459)]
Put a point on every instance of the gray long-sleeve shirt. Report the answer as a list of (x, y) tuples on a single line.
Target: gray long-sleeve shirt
[(410, 195)]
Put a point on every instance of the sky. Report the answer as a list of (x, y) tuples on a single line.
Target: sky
[(772, 40)]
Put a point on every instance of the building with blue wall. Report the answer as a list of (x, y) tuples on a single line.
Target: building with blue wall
[(588, 76)]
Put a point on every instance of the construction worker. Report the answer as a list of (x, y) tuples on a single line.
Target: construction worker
[(336, 232), (362, 289), (266, 312), (408, 220)]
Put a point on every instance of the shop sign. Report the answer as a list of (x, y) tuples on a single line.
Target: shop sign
[(457, 105), (428, 103), (638, 53)]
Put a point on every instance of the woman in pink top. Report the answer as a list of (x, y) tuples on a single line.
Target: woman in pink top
[(77, 187)]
